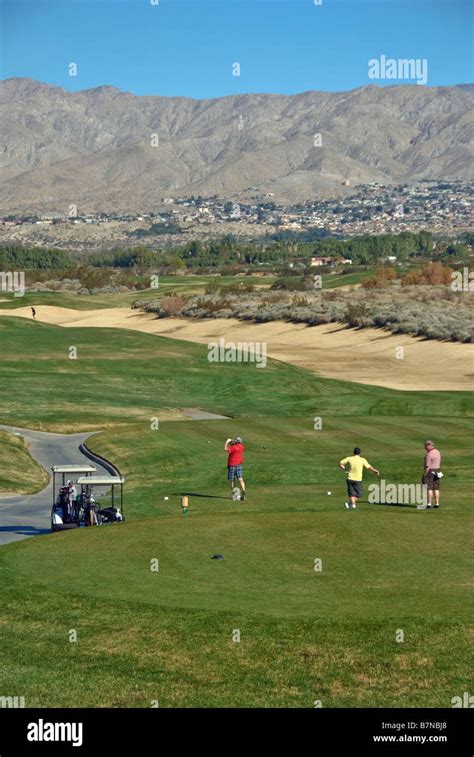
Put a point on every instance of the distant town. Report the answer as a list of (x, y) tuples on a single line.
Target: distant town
[(440, 207)]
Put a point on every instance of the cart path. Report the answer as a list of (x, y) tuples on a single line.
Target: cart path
[(196, 414), (29, 514)]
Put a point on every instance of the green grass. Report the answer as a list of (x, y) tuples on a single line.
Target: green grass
[(19, 473), (69, 300), (305, 635), (346, 279), (123, 376), (167, 284), (357, 277)]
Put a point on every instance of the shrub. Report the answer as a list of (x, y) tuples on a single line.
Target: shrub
[(381, 279), (238, 287), (290, 284), (171, 305), (213, 304), (149, 306), (430, 274), (411, 310), (299, 302), (355, 312)]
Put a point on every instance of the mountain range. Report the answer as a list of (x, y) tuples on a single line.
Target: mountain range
[(105, 149)]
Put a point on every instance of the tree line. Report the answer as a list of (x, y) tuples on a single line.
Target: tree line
[(229, 251)]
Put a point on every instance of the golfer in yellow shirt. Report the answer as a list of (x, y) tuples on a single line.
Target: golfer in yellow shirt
[(354, 467)]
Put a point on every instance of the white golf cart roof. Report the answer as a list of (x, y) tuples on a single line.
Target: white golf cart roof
[(73, 468), (100, 480)]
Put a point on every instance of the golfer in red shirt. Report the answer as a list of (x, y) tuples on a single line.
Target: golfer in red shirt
[(235, 450)]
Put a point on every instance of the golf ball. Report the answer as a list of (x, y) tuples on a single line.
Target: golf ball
[(165, 497), (329, 492)]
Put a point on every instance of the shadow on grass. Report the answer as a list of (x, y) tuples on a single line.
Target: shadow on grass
[(194, 494), (388, 504)]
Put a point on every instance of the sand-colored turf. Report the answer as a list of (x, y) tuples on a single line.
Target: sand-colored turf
[(367, 356)]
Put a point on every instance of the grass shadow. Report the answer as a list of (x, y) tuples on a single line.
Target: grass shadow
[(194, 494), (388, 504)]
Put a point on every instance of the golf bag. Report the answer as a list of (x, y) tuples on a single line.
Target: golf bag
[(110, 515), (91, 512)]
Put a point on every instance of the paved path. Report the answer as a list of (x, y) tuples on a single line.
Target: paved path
[(202, 415), (30, 514)]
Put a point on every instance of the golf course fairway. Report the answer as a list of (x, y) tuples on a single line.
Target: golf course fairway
[(311, 603)]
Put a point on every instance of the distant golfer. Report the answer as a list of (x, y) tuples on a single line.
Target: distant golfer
[(235, 461), (431, 472), (355, 473), (33, 313)]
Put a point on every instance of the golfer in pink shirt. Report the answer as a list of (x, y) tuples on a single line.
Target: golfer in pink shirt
[(431, 471)]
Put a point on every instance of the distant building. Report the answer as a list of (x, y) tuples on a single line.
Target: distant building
[(321, 261)]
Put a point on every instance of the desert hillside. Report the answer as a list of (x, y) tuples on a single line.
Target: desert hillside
[(104, 149)]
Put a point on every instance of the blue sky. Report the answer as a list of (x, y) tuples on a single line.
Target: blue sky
[(187, 47)]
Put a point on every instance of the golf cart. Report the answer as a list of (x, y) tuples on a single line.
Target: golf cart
[(90, 513), (82, 509), (63, 514)]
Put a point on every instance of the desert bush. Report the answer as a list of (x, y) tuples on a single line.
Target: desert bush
[(412, 310), (109, 289), (212, 304), (429, 275), (270, 297), (301, 314), (290, 284), (299, 302), (56, 285), (276, 312), (85, 277), (382, 278), (171, 305), (238, 287), (355, 312), (93, 278), (148, 306)]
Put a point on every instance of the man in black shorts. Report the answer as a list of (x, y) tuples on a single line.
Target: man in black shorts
[(431, 474), (355, 473)]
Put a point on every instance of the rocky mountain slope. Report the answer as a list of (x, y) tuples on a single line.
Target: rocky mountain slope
[(106, 149)]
